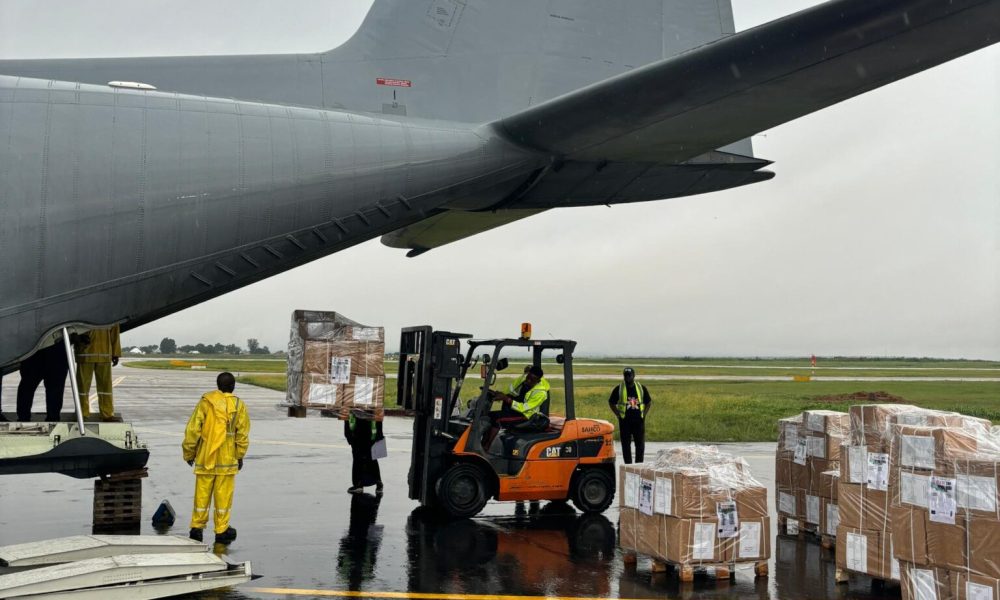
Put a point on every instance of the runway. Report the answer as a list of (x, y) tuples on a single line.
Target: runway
[(309, 538)]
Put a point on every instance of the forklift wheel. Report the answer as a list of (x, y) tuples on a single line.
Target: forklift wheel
[(462, 490), (594, 491)]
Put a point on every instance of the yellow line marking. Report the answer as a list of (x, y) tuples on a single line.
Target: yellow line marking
[(146, 431), (114, 384), (411, 595)]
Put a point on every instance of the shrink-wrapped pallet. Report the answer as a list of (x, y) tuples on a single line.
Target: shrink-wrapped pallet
[(336, 364), (694, 505), (809, 445)]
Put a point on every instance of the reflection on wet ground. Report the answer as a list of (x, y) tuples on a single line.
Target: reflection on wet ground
[(309, 538)]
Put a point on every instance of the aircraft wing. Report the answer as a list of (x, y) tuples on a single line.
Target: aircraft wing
[(450, 226), (727, 90)]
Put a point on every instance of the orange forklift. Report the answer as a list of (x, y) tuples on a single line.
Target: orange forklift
[(550, 457)]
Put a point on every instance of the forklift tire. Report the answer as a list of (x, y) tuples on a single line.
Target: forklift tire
[(461, 491), (594, 490)]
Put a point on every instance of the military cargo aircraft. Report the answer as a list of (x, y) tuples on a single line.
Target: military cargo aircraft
[(131, 188)]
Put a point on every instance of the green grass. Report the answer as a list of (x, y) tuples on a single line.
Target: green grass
[(719, 411), (254, 365)]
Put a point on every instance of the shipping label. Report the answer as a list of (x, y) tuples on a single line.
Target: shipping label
[(916, 451), (704, 542), (812, 509), (322, 393), (975, 591), (878, 471), (663, 496), (364, 391), (786, 503), (340, 370), (942, 500), (729, 522), (816, 423), (366, 334), (893, 563), (791, 438), (916, 418), (913, 488), (750, 540), (977, 493), (631, 489), (792, 527), (646, 497), (801, 451), (857, 553), (922, 584), (816, 446), (858, 460), (832, 519)]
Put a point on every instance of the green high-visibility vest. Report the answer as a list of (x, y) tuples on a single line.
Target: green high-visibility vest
[(623, 398), (352, 422)]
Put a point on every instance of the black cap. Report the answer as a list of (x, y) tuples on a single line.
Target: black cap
[(536, 371), (628, 371)]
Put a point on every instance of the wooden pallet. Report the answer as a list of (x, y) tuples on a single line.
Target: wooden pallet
[(117, 502), (844, 575), (688, 572)]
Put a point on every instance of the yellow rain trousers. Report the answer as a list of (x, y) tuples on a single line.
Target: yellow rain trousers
[(85, 374), (216, 439)]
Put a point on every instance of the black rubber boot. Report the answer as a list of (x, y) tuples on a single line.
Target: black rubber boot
[(197, 535), (226, 537)]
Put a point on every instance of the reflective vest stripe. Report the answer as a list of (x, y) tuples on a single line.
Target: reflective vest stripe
[(623, 398)]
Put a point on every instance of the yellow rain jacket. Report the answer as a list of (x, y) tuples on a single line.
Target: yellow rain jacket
[(104, 345), (217, 434)]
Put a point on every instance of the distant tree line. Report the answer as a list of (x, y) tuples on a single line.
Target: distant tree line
[(169, 346)]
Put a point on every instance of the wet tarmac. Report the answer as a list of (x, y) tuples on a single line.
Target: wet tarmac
[(309, 538)]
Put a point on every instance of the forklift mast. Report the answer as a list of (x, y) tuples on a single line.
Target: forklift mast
[(429, 364)]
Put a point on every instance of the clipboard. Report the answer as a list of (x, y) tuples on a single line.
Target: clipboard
[(379, 449)]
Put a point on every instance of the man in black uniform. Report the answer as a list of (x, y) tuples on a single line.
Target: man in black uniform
[(630, 402)]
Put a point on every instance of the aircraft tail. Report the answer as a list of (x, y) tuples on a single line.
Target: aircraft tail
[(481, 60)]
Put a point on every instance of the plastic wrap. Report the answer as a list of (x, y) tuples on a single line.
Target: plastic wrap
[(336, 364), (813, 440), (694, 505), (926, 482)]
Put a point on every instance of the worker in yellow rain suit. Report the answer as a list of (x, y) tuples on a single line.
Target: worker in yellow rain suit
[(215, 442), (95, 359)]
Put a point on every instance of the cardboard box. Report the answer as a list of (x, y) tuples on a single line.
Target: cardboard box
[(984, 547), (829, 422), (783, 472), (969, 586), (863, 508), (627, 527), (870, 423), (811, 507), (924, 583), (976, 485), (828, 484), (927, 447), (751, 502), (788, 435), (947, 545), (817, 466), (801, 476), (909, 534), (787, 502), (853, 463), (858, 550), (690, 541), (752, 543), (823, 446)]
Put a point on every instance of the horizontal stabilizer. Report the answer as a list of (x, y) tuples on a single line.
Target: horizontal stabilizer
[(450, 226), (740, 85)]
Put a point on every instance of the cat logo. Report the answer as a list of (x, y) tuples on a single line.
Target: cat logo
[(552, 451)]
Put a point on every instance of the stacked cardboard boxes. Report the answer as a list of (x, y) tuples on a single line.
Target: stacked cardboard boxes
[(809, 447), (694, 506), (879, 522), (336, 364), (944, 510)]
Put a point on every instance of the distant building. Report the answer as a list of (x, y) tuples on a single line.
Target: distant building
[(135, 351)]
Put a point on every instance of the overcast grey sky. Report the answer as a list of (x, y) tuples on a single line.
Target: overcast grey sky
[(879, 236)]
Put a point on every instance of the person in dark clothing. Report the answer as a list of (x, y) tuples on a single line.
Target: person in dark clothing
[(630, 402), (361, 434), (51, 366)]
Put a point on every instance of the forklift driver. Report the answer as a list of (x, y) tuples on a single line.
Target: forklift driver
[(527, 394)]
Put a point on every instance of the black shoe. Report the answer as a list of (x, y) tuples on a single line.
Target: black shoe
[(226, 537), (197, 535)]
